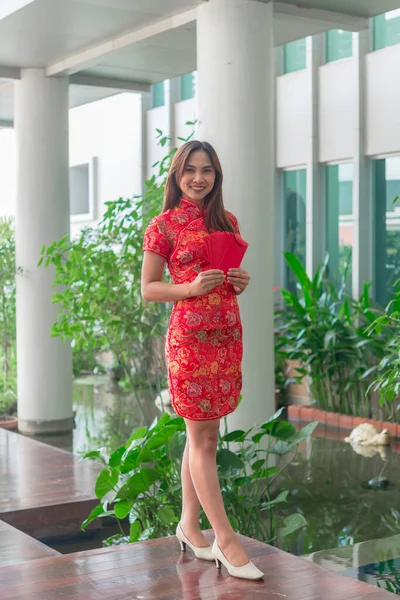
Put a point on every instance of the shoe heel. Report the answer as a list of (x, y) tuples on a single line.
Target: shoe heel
[(218, 563), (183, 546)]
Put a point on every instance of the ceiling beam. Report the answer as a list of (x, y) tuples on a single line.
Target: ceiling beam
[(324, 18), (88, 57), (109, 82), (10, 72)]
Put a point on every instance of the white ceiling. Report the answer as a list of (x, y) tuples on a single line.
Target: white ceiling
[(47, 30), (54, 33), (360, 8)]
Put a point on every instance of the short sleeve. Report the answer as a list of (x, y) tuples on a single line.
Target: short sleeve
[(234, 222), (155, 238)]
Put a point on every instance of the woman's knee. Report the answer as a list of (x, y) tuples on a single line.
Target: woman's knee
[(203, 437)]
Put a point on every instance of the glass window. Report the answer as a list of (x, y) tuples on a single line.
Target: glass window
[(295, 209), (187, 86), (387, 29), (339, 44), (387, 227), (157, 93), (295, 56), (339, 221)]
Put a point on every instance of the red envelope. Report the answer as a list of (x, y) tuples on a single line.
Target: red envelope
[(225, 250)]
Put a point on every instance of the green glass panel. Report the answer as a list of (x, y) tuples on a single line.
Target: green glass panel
[(157, 92), (187, 89), (339, 44), (295, 209), (295, 56), (386, 29), (386, 227), (339, 222)]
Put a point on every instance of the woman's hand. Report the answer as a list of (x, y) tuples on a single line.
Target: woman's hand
[(239, 278), (205, 282)]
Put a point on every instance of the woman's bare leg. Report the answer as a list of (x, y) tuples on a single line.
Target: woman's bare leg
[(203, 441), (190, 505)]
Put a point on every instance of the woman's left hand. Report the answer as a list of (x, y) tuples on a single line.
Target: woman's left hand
[(239, 278)]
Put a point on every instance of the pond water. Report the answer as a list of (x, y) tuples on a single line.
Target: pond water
[(328, 484), (105, 416)]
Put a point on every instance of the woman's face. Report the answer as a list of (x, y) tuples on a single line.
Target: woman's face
[(198, 177)]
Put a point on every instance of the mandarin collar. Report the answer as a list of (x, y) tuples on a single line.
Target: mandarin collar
[(191, 207)]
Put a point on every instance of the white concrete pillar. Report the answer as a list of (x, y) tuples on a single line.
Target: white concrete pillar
[(280, 209), (44, 363), (236, 115), (362, 262), (315, 194)]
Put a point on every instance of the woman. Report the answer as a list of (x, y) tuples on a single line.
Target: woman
[(204, 340)]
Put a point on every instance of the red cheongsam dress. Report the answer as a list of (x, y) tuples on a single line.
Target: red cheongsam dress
[(204, 340)]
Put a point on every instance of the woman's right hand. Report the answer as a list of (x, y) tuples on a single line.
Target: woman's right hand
[(205, 282)]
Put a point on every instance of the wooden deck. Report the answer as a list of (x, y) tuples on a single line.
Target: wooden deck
[(48, 492), (43, 490), (157, 570), (17, 547)]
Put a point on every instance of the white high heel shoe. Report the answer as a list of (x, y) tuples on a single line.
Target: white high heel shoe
[(200, 553), (248, 571)]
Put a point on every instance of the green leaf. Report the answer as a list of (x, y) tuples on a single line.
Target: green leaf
[(228, 460), (123, 508), (258, 464), (280, 429), (135, 531), (297, 267), (115, 458), (106, 481), (166, 515), (274, 417), (282, 497), (304, 433), (292, 524), (96, 512), (138, 484), (234, 436)]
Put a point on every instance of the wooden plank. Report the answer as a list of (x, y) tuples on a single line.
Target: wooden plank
[(43, 491), (156, 570), (17, 547)]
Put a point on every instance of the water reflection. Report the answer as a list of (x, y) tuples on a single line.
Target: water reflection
[(104, 415), (329, 484)]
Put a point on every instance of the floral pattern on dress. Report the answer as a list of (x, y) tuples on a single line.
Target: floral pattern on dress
[(204, 340)]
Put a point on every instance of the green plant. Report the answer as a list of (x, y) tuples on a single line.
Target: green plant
[(140, 481), (387, 569), (97, 277), (7, 310), (325, 330), (387, 381)]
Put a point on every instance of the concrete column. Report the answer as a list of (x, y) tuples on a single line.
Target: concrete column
[(315, 199), (280, 209), (146, 105), (44, 363), (236, 114), (362, 182)]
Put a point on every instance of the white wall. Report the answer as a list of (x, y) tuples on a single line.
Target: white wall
[(109, 129), (156, 118), (337, 94), (185, 111), (383, 101), (293, 120)]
